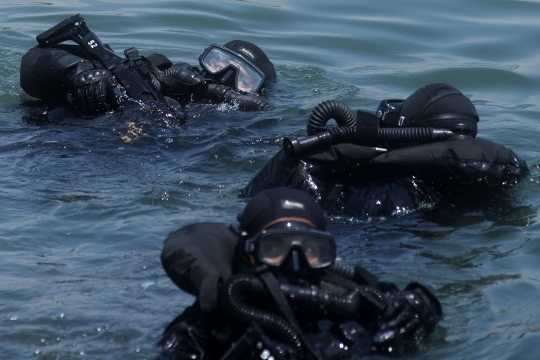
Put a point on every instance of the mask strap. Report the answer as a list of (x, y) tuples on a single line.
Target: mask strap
[(272, 285), (451, 116), (289, 219)]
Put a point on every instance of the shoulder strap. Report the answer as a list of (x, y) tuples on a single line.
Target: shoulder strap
[(279, 298)]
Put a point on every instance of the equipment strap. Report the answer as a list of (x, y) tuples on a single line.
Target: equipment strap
[(432, 100), (450, 116), (279, 298)]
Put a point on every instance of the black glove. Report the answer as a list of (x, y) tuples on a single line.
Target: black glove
[(410, 316), (95, 91)]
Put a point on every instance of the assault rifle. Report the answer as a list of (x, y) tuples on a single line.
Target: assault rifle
[(132, 72)]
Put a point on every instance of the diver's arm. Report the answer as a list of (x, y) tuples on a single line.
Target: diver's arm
[(57, 75), (186, 337), (398, 319), (197, 256), (45, 72), (282, 171), (275, 173), (409, 316)]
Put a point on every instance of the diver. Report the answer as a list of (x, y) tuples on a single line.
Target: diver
[(272, 289), (411, 154), (85, 79)]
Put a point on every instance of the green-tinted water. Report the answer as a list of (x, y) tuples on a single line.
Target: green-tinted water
[(84, 214)]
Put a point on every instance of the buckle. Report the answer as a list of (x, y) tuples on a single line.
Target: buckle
[(132, 53)]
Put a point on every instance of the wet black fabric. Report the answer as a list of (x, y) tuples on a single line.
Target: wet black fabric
[(426, 106), (193, 253), (197, 334), (44, 72), (366, 183), (385, 197), (159, 60), (197, 263), (280, 169), (344, 156), (280, 203), (462, 162), (254, 54), (275, 173)]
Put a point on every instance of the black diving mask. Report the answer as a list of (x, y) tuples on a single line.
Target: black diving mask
[(233, 69), (275, 247), (388, 113)]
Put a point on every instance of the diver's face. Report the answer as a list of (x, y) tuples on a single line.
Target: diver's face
[(227, 67), (294, 251), (239, 79), (274, 252)]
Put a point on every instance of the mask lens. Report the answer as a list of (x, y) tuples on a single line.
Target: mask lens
[(273, 250), (319, 252), (248, 77), (318, 248)]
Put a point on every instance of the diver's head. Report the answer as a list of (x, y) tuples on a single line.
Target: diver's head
[(285, 231), (238, 64), (436, 105)]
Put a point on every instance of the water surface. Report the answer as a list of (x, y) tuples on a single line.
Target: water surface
[(84, 213)]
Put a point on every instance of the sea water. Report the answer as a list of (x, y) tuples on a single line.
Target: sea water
[(86, 205)]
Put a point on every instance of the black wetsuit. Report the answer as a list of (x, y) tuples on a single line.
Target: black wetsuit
[(223, 315), (48, 73)]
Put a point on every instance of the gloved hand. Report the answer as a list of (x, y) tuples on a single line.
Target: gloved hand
[(410, 316), (95, 91)]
